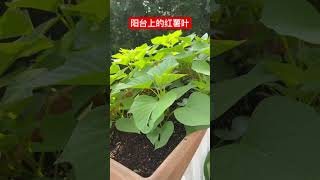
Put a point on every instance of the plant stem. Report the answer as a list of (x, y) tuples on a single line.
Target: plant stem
[(157, 94), (42, 156), (168, 116), (65, 22), (286, 46)]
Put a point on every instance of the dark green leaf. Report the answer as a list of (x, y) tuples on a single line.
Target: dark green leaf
[(89, 140)]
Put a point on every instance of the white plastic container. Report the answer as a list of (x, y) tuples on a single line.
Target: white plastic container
[(195, 169)]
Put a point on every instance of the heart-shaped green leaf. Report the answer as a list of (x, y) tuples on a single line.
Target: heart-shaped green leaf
[(126, 125), (196, 112), (147, 110), (161, 135), (201, 67)]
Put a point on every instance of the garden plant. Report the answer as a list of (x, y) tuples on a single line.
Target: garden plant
[(158, 91)]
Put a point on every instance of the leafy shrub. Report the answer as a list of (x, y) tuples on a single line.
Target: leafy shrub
[(150, 83)]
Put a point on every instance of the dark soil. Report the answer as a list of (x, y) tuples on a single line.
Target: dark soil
[(137, 153)]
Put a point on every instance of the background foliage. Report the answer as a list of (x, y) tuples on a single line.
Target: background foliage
[(266, 89), (53, 74)]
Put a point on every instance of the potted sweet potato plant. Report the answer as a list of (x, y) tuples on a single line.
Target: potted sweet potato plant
[(159, 106)]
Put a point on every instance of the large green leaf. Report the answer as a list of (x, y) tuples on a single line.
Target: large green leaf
[(20, 87), (15, 23), (53, 142), (24, 47), (196, 112), (201, 67), (161, 135), (228, 92), (166, 66), (126, 125), (47, 5), (165, 79), (180, 91), (278, 145), (147, 110), (299, 19), (85, 63), (167, 40), (87, 148), (140, 82)]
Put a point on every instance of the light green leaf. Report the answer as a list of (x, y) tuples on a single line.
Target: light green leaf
[(196, 112), (201, 67), (114, 68), (140, 82), (126, 125), (166, 66), (167, 40), (180, 91), (119, 75), (160, 136), (185, 57), (147, 110), (201, 46), (165, 79)]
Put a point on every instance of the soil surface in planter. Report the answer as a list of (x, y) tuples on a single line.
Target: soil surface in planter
[(137, 153)]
